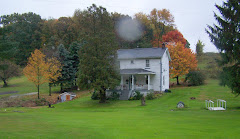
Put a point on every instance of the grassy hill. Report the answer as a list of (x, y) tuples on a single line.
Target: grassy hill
[(160, 118), (86, 118), (207, 58), (22, 86), (208, 63)]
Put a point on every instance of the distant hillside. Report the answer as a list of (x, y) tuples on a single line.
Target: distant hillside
[(208, 63)]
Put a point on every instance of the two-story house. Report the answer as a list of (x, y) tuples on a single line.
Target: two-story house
[(143, 69)]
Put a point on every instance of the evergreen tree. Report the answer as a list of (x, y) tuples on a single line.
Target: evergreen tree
[(199, 48), (187, 44), (225, 37), (73, 49), (97, 57), (67, 78)]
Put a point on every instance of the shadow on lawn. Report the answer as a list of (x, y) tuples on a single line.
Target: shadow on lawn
[(237, 108)]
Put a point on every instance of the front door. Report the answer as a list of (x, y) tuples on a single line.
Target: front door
[(130, 82)]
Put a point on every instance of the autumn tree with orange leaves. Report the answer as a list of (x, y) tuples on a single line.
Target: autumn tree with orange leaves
[(183, 60), (174, 36), (54, 71), (37, 69), (162, 22), (40, 71), (171, 37)]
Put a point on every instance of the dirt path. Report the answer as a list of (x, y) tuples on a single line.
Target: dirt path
[(9, 92), (27, 94)]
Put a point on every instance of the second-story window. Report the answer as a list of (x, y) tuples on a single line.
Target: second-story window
[(147, 63), (163, 80), (132, 62)]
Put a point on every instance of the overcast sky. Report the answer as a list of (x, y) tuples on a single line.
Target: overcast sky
[(191, 16)]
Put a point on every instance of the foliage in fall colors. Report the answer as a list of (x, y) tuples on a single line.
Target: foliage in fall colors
[(174, 36), (162, 21), (54, 71), (37, 69), (183, 60)]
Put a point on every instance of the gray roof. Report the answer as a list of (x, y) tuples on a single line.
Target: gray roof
[(138, 53), (135, 71)]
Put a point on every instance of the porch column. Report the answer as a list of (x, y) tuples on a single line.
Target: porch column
[(132, 82), (149, 81), (121, 82)]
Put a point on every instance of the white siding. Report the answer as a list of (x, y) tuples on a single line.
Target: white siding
[(141, 63), (154, 66), (165, 70)]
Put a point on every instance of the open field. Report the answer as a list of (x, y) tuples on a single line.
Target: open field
[(22, 85), (87, 118)]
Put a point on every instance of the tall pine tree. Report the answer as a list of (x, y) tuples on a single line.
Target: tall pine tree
[(66, 80), (225, 37), (73, 49), (97, 56)]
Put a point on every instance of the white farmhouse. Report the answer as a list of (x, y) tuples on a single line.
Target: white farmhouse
[(143, 70)]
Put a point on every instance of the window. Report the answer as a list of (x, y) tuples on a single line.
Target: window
[(147, 63), (132, 62), (163, 80)]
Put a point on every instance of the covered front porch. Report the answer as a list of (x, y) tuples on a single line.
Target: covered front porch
[(136, 79)]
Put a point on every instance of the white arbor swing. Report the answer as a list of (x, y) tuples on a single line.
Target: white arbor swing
[(220, 105)]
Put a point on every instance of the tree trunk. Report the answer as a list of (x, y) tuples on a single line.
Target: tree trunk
[(61, 88), (50, 91), (5, 83), (102, 96), (177, 81), (38, 92)]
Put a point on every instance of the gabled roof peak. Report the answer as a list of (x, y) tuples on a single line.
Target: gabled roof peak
[(138, 53)]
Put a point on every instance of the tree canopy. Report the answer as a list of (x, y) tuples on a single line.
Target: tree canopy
[(37, 69), (22, 31), (174, 37), (225, 36), (199, 48), (8, 69), (183, 60), (67, 78), (97, 55)]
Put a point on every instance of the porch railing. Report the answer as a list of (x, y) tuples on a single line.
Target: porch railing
[(143, 87), (136, 87)]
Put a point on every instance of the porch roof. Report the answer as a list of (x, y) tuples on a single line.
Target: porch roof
[(135, 71)]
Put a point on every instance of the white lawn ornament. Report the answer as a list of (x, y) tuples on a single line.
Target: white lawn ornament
[(221, 105)]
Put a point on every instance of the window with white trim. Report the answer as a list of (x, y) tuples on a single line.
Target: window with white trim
[(163, 80), (147, 63), (132, 62)]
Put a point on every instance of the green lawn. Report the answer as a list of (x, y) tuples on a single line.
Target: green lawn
[(85, 118), (22, 85)]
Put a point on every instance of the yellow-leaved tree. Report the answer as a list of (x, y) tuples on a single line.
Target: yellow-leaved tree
[(183, 60), (37, 69), (54, 71)]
